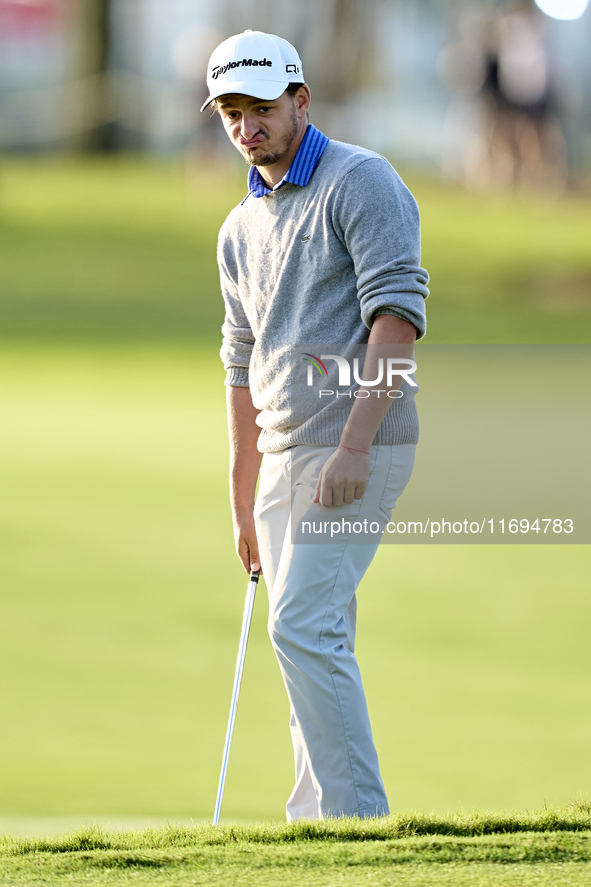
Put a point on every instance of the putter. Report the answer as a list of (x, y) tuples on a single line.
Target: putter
[(246, 620)]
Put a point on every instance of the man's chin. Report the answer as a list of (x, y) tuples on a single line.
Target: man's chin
[(263, 159)]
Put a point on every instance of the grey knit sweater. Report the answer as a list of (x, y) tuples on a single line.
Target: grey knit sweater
[(314, 265)]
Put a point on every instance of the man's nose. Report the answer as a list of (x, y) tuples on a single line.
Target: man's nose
[(250, 126)]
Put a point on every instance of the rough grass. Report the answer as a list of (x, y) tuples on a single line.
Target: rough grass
[(548, 847), (574, 818)]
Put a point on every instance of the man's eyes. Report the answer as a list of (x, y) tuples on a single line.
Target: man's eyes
[(232, 115)]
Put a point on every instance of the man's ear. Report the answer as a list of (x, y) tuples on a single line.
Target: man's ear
[(302, 100)]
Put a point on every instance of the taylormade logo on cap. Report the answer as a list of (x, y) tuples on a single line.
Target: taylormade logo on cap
[(253, 63), (247, 63)]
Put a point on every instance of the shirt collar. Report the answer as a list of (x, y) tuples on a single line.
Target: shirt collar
[(300, 171)]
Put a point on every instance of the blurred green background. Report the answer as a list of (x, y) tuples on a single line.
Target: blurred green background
[(121, 595)]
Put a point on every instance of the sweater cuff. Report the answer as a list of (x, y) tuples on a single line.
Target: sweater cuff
[(236, 377), (403, 315), (385, 311)]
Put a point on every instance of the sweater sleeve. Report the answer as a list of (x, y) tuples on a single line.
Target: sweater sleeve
[(238, 339), (377, 219)]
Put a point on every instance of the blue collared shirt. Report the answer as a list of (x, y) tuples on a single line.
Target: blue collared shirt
[(304, 164)]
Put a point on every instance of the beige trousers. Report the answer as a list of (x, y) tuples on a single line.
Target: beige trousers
[(312, 619)]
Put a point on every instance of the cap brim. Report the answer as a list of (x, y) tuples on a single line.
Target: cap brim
[(258, 89)]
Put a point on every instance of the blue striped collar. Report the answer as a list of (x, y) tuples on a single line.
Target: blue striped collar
[(304, 164)]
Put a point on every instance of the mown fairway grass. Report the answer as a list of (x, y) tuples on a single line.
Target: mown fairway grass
[(121, 608), (121, 596), (123, 250)]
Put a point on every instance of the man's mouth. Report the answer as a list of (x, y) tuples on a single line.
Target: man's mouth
[(252, 143)]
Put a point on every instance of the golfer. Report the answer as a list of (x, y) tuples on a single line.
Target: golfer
[(324, 249)]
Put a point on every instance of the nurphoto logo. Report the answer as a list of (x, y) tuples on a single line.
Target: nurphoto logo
[(314, 362), (395, 366)]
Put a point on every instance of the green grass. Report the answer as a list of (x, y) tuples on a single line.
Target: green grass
[(553, 847), (505, 269), (121, 596), (121, 608), (97, 250), (124, 250)]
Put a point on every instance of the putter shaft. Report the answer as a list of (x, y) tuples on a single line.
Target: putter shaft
[(246, 620)]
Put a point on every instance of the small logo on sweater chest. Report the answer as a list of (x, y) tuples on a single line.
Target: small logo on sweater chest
[(306, 237)]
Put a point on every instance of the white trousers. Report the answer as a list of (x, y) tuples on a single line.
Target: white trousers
[(312, 619)]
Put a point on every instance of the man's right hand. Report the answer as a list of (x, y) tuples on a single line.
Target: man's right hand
[(245, 537)]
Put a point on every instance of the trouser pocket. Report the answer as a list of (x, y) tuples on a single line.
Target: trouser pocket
[(402, 459)]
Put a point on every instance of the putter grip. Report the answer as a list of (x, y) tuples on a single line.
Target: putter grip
[(254, 575)]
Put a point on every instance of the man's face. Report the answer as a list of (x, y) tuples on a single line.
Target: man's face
[(262, 131)]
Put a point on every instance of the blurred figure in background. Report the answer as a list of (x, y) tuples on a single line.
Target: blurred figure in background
[(504, 62)]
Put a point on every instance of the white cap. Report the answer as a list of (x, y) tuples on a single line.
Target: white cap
[(253, 63)]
